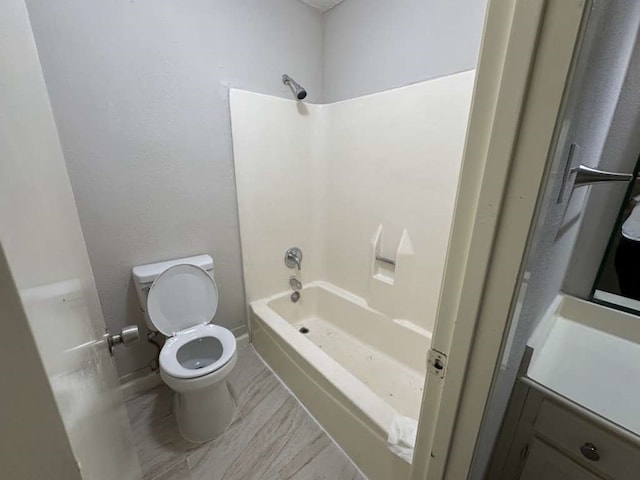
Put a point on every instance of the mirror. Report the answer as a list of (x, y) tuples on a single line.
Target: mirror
[(618, 281)]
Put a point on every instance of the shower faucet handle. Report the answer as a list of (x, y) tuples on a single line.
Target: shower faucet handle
[(293, 258)]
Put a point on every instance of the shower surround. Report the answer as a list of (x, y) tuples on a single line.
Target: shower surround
[(347, 182)]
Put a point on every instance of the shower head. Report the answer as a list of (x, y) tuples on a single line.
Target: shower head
[(298, 91)]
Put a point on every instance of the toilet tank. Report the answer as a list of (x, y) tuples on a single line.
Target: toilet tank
[(144, 276)]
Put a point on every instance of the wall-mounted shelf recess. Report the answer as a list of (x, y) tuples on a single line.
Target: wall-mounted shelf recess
[(391, 274)]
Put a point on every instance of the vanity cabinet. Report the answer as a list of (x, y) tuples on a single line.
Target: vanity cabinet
[(547, 437), (543, 462)]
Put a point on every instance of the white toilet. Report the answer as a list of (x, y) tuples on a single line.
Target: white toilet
[(180, 299)]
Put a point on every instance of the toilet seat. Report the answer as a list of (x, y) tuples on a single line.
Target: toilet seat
[(181, 302), (171, 364), (182, 297)]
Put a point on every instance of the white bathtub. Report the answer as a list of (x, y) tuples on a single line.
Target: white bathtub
[(355, 369)]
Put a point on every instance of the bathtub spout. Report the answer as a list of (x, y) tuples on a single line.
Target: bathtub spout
[(295, 296)]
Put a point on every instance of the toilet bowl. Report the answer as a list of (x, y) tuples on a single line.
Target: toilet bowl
[(198, 355)]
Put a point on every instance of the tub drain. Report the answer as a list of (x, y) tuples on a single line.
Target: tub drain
[(304, 330)]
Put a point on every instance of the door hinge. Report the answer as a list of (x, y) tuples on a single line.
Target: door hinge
[(436, 363)]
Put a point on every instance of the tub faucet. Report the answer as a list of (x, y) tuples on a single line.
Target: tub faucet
[(293, 258)]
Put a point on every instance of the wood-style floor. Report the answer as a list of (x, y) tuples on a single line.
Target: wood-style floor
[(271, 437)]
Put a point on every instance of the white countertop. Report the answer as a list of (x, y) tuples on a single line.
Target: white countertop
[(591, 355)]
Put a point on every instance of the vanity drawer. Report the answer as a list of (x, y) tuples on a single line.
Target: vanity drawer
[(569, 432)]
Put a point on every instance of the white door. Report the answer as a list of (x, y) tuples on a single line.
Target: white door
[(45, 250), (525, 64)]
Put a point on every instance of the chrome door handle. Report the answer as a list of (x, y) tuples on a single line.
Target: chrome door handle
[(127, 335), (588, 176)]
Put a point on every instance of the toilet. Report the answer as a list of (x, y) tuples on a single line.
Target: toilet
[(179, 299)]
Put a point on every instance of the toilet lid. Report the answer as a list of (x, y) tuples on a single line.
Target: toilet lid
[(182, 296)]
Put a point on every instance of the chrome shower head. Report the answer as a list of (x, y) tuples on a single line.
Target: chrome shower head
[(298, 91)]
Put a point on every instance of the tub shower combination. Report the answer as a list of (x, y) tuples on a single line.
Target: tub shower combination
[(333, 350), (366, 189)]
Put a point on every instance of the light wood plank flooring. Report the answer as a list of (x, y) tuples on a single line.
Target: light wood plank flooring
[(271, 437)]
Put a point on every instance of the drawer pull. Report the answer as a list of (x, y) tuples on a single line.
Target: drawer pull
[(590, 452)]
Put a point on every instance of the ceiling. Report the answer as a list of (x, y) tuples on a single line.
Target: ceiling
[(322, 5)]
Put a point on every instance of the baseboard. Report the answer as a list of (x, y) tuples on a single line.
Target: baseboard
[(242, 340), (240, 332)]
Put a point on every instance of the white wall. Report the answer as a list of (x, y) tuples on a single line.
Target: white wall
[(616, 84), (374, 45), (326, 178), (281, 175), (394, 160), (140, 95)]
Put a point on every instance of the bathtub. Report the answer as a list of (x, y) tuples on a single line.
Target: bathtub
[(354, 368)]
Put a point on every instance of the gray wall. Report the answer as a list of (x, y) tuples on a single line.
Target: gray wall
[(374, 45), (140, 94), (596, 90), (139, 91), (619, 154)]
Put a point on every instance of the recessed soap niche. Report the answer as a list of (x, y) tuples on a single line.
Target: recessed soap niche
[(384, 268), (391, 276)]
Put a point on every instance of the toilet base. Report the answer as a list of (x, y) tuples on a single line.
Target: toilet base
[(203, 415)]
